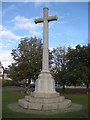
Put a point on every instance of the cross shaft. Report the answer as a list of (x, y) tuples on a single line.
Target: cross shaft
[(45, 20)]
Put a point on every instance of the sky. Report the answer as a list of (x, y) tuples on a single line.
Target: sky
[(70, 29)]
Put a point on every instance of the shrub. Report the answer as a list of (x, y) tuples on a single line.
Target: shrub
[(7, 82)]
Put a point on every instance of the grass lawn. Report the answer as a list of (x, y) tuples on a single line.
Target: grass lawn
[(13, 96)]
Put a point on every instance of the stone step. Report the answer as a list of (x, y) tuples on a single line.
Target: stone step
[(44, 100), (23, 103), (50, 106), (61, 98), (65, 104), (44, 106), (45, 95)]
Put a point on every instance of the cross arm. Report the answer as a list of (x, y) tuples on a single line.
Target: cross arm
[(38, 20), (52, 18)]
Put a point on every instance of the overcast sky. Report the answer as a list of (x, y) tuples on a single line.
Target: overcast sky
[(70, 29)]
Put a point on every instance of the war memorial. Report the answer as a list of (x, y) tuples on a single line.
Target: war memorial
[(45, 97)]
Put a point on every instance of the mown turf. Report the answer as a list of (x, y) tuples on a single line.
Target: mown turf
[(11, 97)]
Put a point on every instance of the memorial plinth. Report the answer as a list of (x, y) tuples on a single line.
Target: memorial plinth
[(45, 96)]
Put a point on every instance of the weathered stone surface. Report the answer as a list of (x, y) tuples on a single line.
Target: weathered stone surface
[(45, 95), (35, 106), (23, 103), (44, 104), (61, 98), (44, 100), (45, 83), (73, 107), (65, 104)]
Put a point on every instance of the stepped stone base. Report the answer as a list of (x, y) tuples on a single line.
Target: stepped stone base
[(50, 102), (44, 97)]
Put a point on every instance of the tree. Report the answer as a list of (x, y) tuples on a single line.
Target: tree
[(59, 58), (27, 60), (78, 65)]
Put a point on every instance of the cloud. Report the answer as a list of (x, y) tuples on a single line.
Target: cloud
[(24, 23), (64, 15), (51, 48), (21, 22), (5, 33), (35, 33), (8, 39), (63, 22), (6, 58), (62, 18), (1, 45)]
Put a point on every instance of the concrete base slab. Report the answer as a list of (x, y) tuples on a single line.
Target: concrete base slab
[(17, 108), (44, 104), (44, 97)]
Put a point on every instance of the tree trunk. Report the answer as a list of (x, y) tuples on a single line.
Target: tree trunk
[(87, 85), (29, 81), (63, 88)]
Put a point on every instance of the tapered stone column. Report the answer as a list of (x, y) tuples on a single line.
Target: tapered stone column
[(45, 82), (45, 63)]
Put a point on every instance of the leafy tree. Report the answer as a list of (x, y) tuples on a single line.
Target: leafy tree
[(78, 65), (73, 66), (59, 58), (27, 60)]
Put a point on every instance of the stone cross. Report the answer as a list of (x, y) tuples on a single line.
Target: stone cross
[(45, 98), (45, 20)]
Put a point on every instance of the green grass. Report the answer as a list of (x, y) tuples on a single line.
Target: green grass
[(11, 97)]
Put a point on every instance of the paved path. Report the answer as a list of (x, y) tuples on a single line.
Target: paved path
[(13, 88)]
